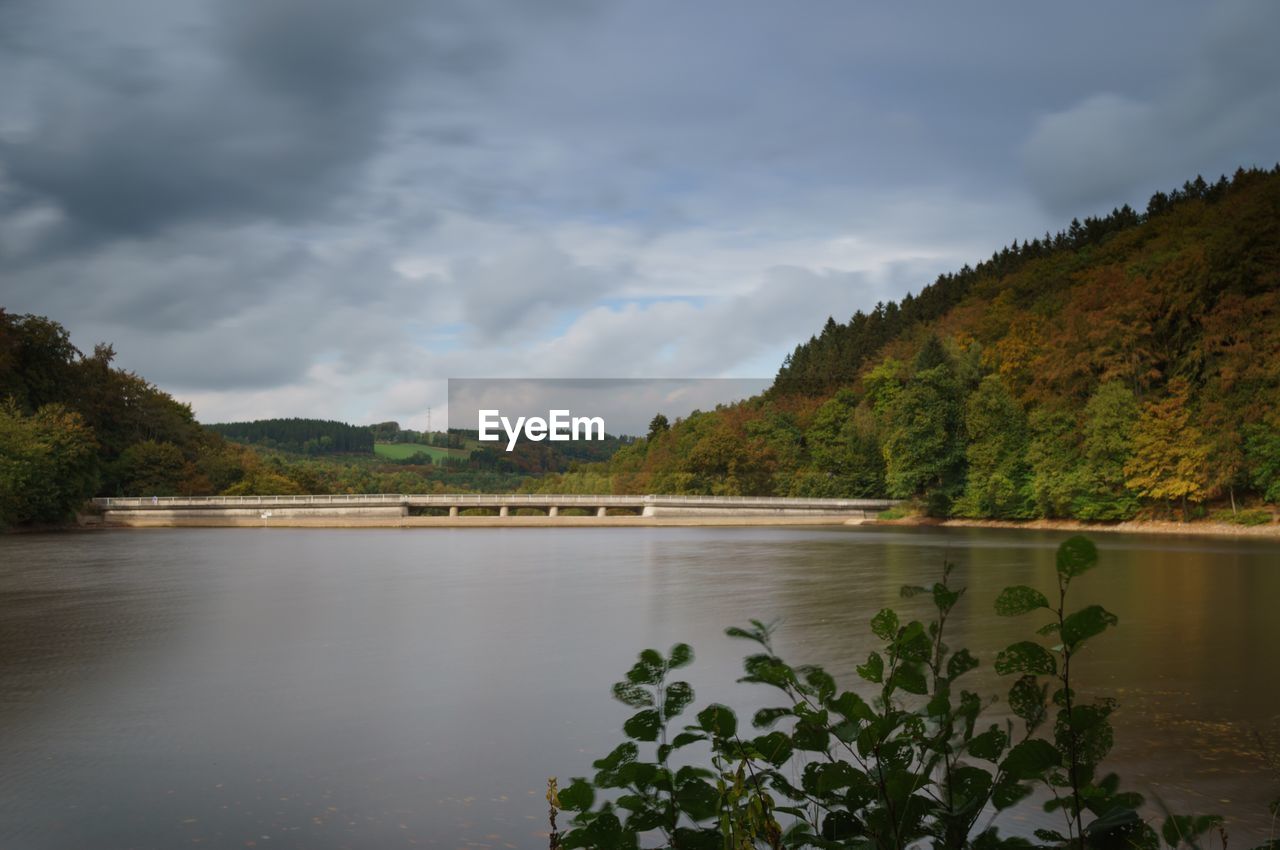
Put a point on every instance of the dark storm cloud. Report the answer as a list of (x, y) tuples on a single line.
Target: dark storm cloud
[(1215, 112), (259, 109)]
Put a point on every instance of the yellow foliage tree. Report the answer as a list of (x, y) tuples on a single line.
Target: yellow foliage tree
[(1170, 455)]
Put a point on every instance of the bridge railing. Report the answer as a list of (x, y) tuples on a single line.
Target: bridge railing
[(485, 499)]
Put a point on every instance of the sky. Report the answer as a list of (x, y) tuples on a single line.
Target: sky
[(327, 208)]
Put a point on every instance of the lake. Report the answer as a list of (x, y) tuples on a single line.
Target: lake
[(300, 688)]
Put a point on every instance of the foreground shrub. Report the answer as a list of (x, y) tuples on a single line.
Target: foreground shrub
[(911, 766)]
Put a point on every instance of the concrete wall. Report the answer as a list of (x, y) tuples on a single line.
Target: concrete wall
[(159, 514), (657, 510)]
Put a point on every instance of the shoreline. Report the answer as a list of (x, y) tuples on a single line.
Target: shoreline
[(1164, 528)]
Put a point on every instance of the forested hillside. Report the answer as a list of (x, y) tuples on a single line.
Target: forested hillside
[(304, 436), (1129, 363), (72, 426)]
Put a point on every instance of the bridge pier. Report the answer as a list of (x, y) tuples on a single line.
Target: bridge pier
[(602, 511), (504, 511), (553, 511), (453, 511)]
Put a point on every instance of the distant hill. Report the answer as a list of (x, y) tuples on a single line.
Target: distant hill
[(302, 436), (1128, 363)]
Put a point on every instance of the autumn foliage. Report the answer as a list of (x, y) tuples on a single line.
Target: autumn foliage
[(1128, 363)]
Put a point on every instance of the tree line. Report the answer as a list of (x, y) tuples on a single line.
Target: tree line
[(303, 436)]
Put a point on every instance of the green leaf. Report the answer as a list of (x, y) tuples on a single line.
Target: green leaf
[(990, 744), (719, 720), (774, 747), (852, 706), (1008, 794), (960, 663), (1025, 657), (910, 590), (820, 681), (678, 697), (633, 695), (1087, 731), (1051, 835), (944, 598), (1019, 599), (767, 670), (1086, 623), (1120, 827), (578, 797), (913, 642), (684, 739), (1076, 556), (644, 725), (873, 670), (605, 832), (647, 670), (698, 799), (885, 624), (1027, 700), (840, 825), (909, 678), (759, 632), (810, 736), (1030, 759), (827, 777), (766, 717), (970, 786), (681, 656), (621, 754)]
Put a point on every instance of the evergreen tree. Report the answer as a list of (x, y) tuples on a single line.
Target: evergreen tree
[(924, 447)]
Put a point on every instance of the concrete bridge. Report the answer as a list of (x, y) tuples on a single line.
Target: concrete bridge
[(503, 504)]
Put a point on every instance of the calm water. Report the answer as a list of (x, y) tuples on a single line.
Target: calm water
[(382, 688)]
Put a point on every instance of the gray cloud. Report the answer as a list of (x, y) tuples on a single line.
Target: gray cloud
[(255, 110), (318, 207), (1218, 113)]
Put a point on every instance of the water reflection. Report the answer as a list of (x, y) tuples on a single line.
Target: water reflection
[(415, 688)]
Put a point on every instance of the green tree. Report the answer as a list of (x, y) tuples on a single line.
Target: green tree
[(1056, 462), (997, 482), (48, 464), (1108, 445), (1262, 452), (150, 468), (924, 446), (845, 451)]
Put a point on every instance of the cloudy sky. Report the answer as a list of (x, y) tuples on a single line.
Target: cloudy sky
[(323, 207)]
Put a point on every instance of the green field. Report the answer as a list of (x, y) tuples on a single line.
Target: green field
[(400, 451)]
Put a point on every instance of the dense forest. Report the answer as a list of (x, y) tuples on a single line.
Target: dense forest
[(1129, 364), (303, 436)]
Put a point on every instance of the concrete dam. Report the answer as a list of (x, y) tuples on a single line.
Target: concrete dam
[(388, 506)]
